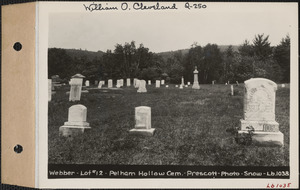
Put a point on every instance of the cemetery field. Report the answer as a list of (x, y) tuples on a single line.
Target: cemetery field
[(193, 127)]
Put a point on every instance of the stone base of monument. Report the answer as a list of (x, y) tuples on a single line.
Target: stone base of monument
[(265, 138), (268, 126), (71, 129), (195, 86), (143, 132)]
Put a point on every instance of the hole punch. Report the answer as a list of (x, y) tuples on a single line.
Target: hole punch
[(18, 148), (17, 46)]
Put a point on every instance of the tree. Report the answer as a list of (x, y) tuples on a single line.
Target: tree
[(282, 56), (246, 49), (261, 47)]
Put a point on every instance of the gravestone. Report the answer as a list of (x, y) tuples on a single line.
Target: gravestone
[(87, 83), (259, 112), (196, 83), (100, 84), (118, 85), (231, 88), (103, 82), (157, 84), (180, 87), (75, 91), (162, 82), (149, 82), (176, 86), (182, 81), (137, 83), (142, 122), (49, 89), (213, 82), (226, 83), (188, 83), (282, 85), (142, 87), (121, 82), (128, 82), (76, 123), (110, 83), (167, 86)]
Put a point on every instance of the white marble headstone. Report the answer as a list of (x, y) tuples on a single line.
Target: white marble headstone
[(149, 82), (157, 83), (137, 83), (87, 83), (142, 86), (110, 83), (162, 82), (128, 82), (259, 111), (76, 121), (75, 91), (49, 89)]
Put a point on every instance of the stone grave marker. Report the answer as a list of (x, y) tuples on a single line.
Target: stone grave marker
[(128, 82), (226, 83), (182, 81), (143, 121), (231, 88), (186, 85), (180, 87), (189, 83), (162, 82), (76, 123), (259, 112), (157, 84), (49, 89), (87, 83), (100, 84), (137, 83), (142, 87), (110, 83), (196, 83), (282, 85), (118, 85), (176, 86), (167, 86), (213, 82), (103, 82), (149, 82), (75, 91), (121, 82)]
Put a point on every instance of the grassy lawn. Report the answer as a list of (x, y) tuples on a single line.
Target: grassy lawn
[(193, 127)]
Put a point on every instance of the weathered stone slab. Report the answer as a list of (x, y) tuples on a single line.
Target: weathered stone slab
[(76, 123), (142, 87)]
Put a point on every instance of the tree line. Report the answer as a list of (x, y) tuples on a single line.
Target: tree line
[(256, 59)]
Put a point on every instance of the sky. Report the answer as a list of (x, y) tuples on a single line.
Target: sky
[(162, 31)]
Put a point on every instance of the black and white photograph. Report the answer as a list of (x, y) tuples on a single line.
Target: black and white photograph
[(170, 90)]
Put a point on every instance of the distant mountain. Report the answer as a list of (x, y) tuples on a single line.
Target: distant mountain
[(78, 53), (169, 54)]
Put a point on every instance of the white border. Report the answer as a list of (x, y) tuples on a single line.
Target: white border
[(44, 8)]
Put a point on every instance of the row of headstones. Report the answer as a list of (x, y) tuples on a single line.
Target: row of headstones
[(259, 115), (77, 123)]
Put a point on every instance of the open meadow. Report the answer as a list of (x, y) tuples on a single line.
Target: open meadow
[(193, 127)]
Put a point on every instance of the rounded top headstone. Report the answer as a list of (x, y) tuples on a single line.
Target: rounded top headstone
[(78, 76)]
